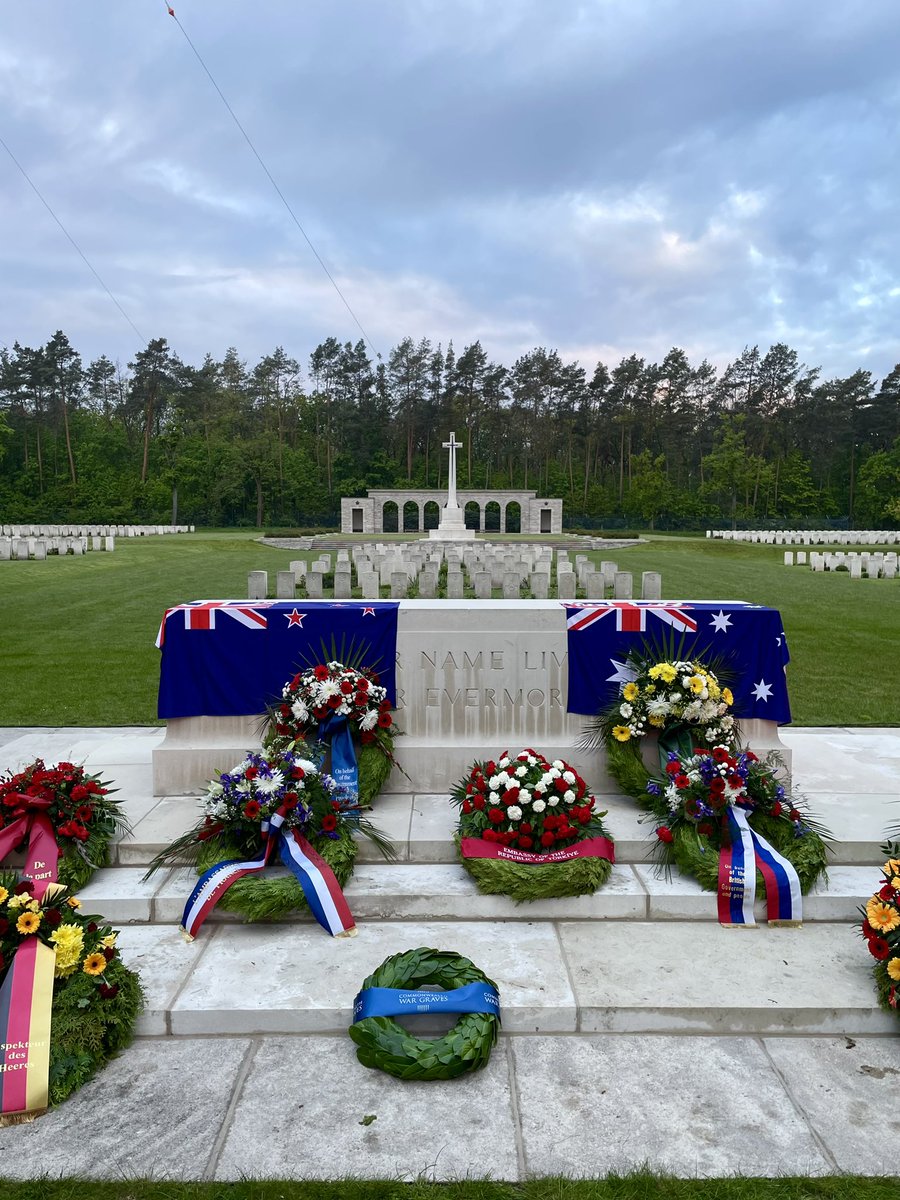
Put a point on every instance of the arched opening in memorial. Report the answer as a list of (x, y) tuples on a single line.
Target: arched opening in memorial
[(514, 517), (492, 517), (473, 515), (410, 517), (432, 514), (390, 517)]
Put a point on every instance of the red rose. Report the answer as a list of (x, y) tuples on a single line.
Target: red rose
[(525, 843), (664, 833), (251, 809), (109, 953), (510, 796), (490, 768), (108, 990), (21, 888), (794, 815), (496, 815), (53, 916), (777, 808), (92, 927), (525, 827), (547, 839), (282, 730), (750, 756), (79, 832), (560, 785), (329, 822), (478, 801), (467, 806)]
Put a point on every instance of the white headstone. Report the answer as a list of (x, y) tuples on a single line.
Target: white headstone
[(258, 585)]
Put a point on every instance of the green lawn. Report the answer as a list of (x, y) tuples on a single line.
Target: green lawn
[(76, 644), (629, 1187)]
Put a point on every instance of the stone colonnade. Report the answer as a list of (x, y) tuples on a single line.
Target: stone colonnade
[(367, 514)]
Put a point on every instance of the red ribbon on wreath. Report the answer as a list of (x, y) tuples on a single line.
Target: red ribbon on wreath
[(33, 826)]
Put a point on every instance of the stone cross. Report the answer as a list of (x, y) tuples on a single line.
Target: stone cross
[(453, 445)]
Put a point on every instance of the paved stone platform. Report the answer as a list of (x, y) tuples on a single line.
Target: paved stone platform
[(649, 1033)]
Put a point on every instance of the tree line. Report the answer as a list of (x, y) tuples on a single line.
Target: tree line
[(665, 445)]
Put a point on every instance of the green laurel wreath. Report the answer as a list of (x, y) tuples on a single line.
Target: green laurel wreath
[(384, 1044), (539, 881)]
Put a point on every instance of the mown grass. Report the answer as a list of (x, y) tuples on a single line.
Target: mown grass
[(76, 635), (641, 1186)]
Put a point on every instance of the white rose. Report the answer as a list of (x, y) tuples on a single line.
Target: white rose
[(538, 806), (494, 784), (503, 778), (504, 762), (521, 772), (558, 764), (554, 772), (524, 796), (514, 813), (553, 801), (569, 796), (569, 776)]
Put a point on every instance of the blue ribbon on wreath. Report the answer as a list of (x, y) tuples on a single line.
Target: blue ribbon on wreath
[(394, 1002), (335, 731)]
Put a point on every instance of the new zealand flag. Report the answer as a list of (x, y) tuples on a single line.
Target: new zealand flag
[(232, 657), (747, 639)]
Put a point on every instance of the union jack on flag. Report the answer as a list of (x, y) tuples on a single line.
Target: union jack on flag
[(630, 615), (201, 614)]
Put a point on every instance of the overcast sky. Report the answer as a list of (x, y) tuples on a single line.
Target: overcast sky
[(607, 177)]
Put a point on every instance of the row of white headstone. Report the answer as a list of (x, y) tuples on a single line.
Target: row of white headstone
[(22, 548), (810, 537), (515, 571), (90, 530), (874, 565)]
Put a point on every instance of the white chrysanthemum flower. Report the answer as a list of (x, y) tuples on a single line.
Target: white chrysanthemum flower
[(503, 778), (569, 776), (268, 784), (300, 711), (569, 796), (626, 710), (658, 708), (557, 764), (538, 806), (329, 688), (494, 783), (504, 762), (521, 772), (307, 765), (514, 813), (369, 721), (524, 796), (532, 761)]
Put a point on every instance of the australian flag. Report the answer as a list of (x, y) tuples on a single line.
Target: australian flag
[(232, 657), (746, 639)]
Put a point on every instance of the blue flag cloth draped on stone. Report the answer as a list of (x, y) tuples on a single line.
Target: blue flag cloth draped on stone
[(749, 638), (232, 657)]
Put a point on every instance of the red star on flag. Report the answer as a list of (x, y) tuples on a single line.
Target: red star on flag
[(368, 612), (295, 618)]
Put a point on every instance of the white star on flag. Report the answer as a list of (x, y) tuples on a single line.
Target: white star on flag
[(623, 672), (761, 690), (721, 621), (294, 618)]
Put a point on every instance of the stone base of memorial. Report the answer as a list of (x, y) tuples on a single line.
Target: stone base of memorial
[(471, 676)]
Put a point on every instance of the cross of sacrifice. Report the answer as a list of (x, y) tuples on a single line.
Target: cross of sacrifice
[(453, 445)]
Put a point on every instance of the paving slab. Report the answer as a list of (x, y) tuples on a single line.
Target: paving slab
[(840, 760), (153, 1112), (120, 894), (316, 1097), (847, 1089), (164, 961), (297, 979), (688, 1106), (700, 977), (391, 815)]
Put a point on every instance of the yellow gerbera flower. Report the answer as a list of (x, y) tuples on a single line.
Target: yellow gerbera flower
[(893, 969), (3, 894), (883, 917), (631, 691), (95, 964), (892, 866), (696, 683), (69, 942), (73, 902), (28, 922), (621, 733), (657, 721), (727, 696)]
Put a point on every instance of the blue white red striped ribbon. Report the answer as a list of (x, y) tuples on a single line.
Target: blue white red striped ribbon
[(738, 863), (320, 887)]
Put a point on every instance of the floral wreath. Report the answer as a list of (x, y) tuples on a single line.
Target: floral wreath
[(285, 781), (384, 1044), (690, 807), (881, 929), (531, 812), (84, 817), (314, 696), (96, 998)]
